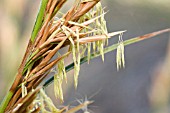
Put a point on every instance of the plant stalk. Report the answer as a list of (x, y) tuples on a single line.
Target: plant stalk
[(6, 101), (109, 49)]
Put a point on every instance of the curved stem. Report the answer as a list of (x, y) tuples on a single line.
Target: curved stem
[(109, 49)]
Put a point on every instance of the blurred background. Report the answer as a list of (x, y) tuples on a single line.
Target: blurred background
[(142, 87)]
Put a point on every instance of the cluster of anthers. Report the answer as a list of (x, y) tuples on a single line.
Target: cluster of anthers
[(82, 29)]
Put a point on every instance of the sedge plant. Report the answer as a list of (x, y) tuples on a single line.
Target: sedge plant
[(83, 31)]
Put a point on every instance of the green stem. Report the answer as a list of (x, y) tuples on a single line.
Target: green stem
[(6, 101), (109, 49), (39, 20)]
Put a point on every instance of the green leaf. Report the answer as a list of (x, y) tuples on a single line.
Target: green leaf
[(39, 20), (109, 49)]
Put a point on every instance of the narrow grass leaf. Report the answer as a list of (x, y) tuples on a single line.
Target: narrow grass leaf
[(109, 49)]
